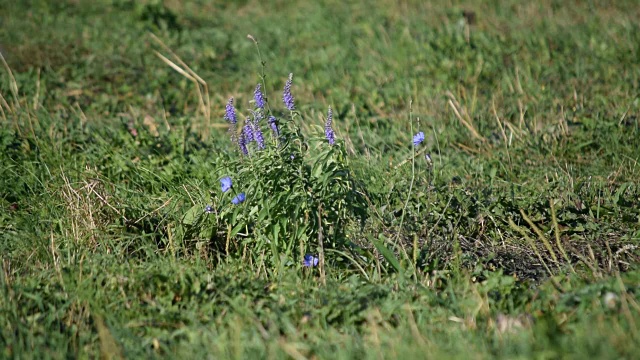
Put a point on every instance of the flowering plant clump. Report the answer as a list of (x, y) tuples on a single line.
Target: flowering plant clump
[(282, 192)]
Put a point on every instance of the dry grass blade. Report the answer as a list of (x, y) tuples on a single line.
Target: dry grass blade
[(495, 114), (13, 85), (36, 96), (535, 250), (408, 160), (413, 326), (3, 104), (556, 231), (463, 116), (541, 236), (291, 350), (175, 67), (182, 63), (323, 278), (109, 348), (625, 299), (594, 271), (183, 69)]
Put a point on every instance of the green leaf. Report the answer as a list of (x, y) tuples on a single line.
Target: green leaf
[(237, 229), (206, 231), (317, 171), (264, 212), (620, 192), (192, 215), (387, 254), (275, 232)]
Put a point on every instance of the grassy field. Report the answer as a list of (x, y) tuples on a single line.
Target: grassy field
[(511, 231)]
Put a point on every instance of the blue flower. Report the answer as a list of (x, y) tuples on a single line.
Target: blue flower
[(418, 138), (238, 199), (258, 97), (287, 98), (273, 124), (230, 113), (328, 130), (226, 184), (310, 261), (208, 209)]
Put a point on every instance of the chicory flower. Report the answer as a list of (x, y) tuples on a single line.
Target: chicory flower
[(238, 199), (418, 138), (310, 261), (225, 184)]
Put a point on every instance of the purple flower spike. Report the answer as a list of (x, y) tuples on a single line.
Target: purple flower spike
[(230, 112), (310, 261), (247, 131), (273, 124), (418, 138), (242, 143), (238, 199), (258, 97), (225, 184), (257, 134), (287, 98), (328, 130)]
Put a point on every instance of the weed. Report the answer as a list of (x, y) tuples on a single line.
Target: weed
[(434, 181)]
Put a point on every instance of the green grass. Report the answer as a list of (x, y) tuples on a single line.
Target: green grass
[(520, 240)]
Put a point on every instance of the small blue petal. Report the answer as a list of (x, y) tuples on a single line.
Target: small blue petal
[(225, 184), (238, 199), (208, 209), (418, 138), (310, 261)]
